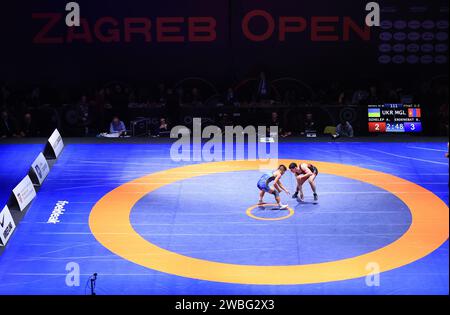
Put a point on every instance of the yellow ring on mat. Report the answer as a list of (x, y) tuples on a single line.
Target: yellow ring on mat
[(251, 215), (110, 223)]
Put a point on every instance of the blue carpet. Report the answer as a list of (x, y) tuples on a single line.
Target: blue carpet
[(204, 217)]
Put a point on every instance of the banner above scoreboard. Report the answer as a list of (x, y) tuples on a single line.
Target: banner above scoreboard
[(311, 40), (395, 118)]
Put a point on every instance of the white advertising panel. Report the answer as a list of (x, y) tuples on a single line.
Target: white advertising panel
[(24, 192), (7, 225), (40, 168), (56, 142)]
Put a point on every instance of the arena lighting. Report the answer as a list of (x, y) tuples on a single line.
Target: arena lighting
[(109, 29)]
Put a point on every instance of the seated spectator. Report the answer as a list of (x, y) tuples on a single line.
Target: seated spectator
[(344, 129), (28, 127), (8, 127), (274, 121), (310, 125), (117, 126), (163, 128)]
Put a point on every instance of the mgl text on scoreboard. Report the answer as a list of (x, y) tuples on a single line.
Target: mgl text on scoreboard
[(394, 118)]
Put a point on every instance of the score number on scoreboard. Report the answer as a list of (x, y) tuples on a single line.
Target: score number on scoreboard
[(395, 118)]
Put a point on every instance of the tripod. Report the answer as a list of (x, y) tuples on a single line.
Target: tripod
[(93, 279)]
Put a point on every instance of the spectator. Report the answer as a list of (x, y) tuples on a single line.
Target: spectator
[(84, 113), (310, 125), (163, 128), (117, 126), (344, 129), (8, 127), (29, 128), (342, 98), (275, 121)]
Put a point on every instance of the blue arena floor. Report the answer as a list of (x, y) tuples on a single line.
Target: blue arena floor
[(204, 217)]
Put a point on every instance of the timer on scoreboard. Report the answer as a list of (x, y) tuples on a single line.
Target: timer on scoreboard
[(395, 118)]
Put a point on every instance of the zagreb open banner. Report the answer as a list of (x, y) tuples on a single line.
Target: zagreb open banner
[(225, 39), (24, 192), (7, 226)]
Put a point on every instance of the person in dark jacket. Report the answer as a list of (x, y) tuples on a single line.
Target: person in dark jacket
[(28, 127), (8, 127)]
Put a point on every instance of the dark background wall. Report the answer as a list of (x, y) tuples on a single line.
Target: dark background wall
[(231, 57)]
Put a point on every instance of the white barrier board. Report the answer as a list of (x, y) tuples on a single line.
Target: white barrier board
[(7, 226), (24, 192), (56, 142), (40, 168)]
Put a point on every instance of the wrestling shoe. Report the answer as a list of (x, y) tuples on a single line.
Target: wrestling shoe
[(283, 207), (295, 195), (316, 197)]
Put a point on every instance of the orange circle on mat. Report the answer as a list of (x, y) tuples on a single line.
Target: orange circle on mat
[(249, 212), (110, 223)]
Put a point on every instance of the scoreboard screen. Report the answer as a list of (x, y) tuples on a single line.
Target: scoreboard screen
[(401, 118)]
